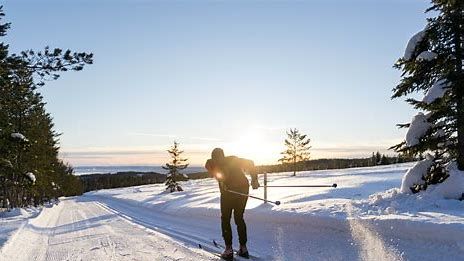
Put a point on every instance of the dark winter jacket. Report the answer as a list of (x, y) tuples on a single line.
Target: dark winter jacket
[(230, 173)]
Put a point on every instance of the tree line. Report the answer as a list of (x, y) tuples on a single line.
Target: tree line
[(93, 182)]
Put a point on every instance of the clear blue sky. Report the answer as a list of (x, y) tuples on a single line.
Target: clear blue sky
[(221, 73)]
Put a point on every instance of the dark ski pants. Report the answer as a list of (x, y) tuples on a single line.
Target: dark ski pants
[(236, 203)]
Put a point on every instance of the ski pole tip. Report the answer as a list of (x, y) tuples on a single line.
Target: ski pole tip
[(334, 185)]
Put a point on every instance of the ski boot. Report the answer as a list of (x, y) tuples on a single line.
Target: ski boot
[(243, 252), (228, 254)]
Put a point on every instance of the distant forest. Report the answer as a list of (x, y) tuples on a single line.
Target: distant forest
[(126, 179)]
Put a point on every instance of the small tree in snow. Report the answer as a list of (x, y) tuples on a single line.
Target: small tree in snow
[(297, 149), (174, 167), (433, 65)]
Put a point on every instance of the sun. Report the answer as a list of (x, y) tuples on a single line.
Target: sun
[(254, 144)]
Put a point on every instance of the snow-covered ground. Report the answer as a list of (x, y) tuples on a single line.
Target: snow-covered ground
[(365, 218), (80, 229)]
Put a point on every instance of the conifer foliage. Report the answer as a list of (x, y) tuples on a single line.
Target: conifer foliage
[(174, 167), (433, 65), (297, 149), (30, 171)]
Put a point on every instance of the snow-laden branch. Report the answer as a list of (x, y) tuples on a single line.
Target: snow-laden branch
[(418, 128), (437, 91), (412, 44), (19, 136), (31, 177), (427, 56)]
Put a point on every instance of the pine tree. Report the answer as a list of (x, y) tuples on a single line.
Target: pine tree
[(30, 171), (297, 149), (174, 167), (432, 64), (378, 158)]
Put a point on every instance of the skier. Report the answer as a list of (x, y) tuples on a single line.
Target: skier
[(229, 171)]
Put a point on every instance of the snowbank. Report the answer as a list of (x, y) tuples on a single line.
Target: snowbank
[(16, 212), (414, 175), (12, 221), (452, 187)]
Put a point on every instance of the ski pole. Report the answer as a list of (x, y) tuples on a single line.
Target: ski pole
[(248, 195), (303, 186)]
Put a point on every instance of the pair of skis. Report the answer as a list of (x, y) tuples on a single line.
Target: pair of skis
[(221, 248)]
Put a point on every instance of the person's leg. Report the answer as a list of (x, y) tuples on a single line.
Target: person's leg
[(226, 213), (239, 210)]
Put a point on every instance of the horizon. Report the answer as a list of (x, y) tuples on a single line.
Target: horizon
[(202, 166), (238, 73)]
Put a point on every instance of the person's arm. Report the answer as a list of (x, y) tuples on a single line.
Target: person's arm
[(249, 167), (211, 168)]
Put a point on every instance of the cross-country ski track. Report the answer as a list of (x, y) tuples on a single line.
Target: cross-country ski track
[(81, 229)]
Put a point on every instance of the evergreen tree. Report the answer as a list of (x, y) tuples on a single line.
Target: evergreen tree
[(432, 64), (378, 158), (174, 167), (384, 160), (297, 149), (30, 171)]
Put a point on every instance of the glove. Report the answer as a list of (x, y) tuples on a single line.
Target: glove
[(254, 183)]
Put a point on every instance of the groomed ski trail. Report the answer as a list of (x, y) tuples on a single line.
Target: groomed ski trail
[(79, 229), (369, 242)]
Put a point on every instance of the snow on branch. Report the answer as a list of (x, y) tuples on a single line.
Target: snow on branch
[(19, 136), (31, 177), (437, 91), (427, 56), (418, 128), (412, 44)]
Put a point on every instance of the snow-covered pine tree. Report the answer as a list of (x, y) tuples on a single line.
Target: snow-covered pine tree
[(297, 149), (433, 65), (174, 167), (28, 144)]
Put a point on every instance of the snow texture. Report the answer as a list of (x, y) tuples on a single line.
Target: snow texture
[(19, 136), (365, 218), (414, 175), (418, 128), (31, 176), (438, 90), (412, 45), (427, 56), (84, 230)]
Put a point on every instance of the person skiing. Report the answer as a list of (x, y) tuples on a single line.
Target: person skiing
[(229, 171)]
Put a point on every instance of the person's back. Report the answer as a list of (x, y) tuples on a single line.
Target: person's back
[(232, 169)]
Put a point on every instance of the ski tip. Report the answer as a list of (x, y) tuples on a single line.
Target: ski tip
[(334, 185), (277, 203), (215, 243), (199, 245)]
